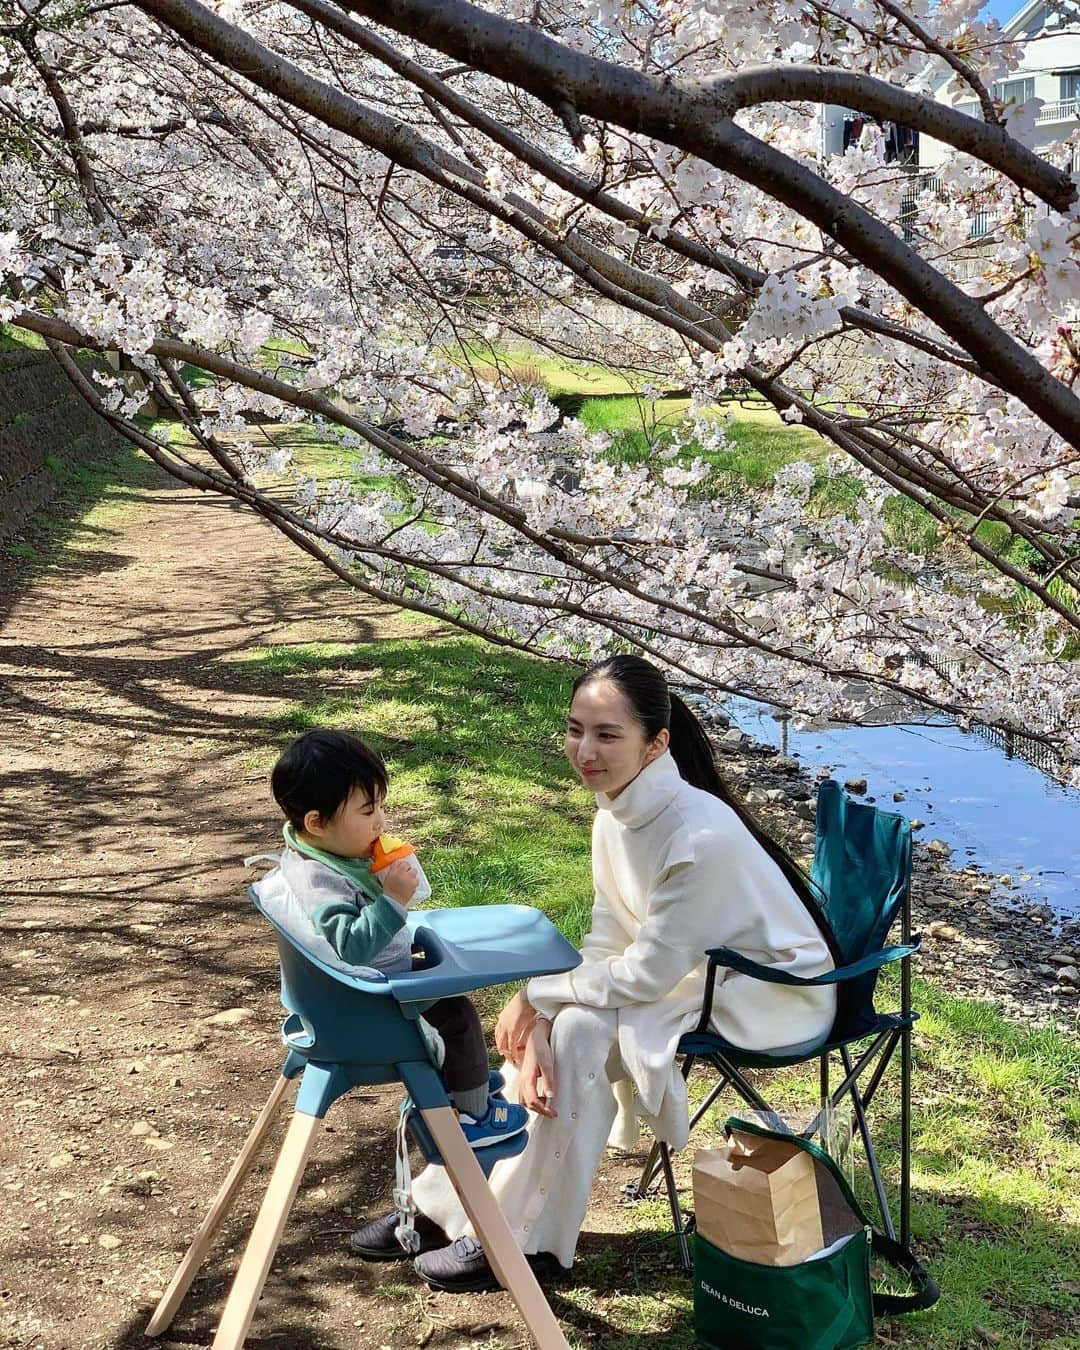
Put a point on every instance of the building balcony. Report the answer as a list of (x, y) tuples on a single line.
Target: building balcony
[(1061, 110)]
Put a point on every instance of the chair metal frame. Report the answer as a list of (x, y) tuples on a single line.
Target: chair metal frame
[(343, 1031), (888, 1031)]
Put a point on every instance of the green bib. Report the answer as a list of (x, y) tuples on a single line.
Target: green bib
[(356, 870)]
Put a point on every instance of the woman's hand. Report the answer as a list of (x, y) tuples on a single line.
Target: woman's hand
[(513, 1027), (400, 880), (536, 1083)]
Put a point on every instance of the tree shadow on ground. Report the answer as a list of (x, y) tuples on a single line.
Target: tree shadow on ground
[(234, 702), (626, 1290)]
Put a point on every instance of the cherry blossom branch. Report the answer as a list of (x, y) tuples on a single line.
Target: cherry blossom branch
[(946, 53), (59, 334), (95, 203), (594, 267), (682, 115), (748, 279), (678, 112)]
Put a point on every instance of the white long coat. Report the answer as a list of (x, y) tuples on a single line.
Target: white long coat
[(675, 872)]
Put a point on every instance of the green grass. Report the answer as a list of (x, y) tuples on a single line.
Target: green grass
[(560, 376), (196, 378), (759, 442), (473, 746), (762, 444), (13, 339), (313, 455), (996, 1152), (472, 740), (634, 425)]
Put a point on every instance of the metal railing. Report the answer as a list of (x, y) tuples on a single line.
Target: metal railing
[(1055, 110), (928, 181), (1061, 110), (1016, 744)]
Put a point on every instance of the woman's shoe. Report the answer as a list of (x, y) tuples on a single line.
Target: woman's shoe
[(462, 1268), (377, 1241)]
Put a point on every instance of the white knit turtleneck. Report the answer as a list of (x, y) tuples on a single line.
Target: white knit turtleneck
[(675, 872), (645, 796)]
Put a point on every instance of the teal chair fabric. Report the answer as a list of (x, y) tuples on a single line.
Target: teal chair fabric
[(862, 876), (862, 869)]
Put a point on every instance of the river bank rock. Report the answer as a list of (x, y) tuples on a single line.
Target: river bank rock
[(982, 939)]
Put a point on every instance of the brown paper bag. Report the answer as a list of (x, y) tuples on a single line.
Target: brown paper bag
[(757, 1199)]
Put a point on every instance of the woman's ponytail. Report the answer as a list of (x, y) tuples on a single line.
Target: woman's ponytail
[(692, 750)]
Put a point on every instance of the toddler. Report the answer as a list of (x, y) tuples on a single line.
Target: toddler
[(332, 789)]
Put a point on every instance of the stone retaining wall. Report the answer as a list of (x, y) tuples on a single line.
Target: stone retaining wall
[(43, 421)]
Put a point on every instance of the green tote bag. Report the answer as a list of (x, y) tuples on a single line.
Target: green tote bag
[(821, 1304)]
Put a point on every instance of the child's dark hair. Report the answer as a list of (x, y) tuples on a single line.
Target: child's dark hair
[(655, 708), (319, 770)]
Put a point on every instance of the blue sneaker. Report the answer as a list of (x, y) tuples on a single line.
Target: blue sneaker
[(502, 1120)]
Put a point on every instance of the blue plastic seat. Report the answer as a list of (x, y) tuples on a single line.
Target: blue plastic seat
[(343, 1031)]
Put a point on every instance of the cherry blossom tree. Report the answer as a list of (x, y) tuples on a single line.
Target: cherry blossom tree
[(343, 212)]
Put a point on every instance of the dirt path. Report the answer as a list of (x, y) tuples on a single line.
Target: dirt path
[(128, 796)]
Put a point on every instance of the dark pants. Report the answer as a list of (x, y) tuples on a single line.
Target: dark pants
[(458, 1023)]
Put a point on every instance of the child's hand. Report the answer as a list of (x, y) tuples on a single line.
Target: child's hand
[(400, 880)]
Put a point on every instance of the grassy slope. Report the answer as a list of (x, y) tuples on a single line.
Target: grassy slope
[(88, 496), (558, 375), (759, 442)]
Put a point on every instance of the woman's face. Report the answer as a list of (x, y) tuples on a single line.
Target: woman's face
[(604, 741)]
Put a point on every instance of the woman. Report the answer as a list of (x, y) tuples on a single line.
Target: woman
[(678, 867)]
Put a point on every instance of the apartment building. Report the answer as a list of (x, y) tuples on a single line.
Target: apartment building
[(1049, 70)]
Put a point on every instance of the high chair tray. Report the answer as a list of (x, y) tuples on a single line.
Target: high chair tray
[(480, 945)]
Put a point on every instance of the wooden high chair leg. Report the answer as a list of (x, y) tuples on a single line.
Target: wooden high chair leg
[(489, 1223), (265, 1236), (223, 1202)]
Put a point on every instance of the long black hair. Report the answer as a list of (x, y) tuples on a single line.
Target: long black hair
[(655, 708)]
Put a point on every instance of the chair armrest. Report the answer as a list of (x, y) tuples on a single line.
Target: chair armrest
[(724, 956)]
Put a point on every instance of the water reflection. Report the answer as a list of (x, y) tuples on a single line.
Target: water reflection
[(994, 810)]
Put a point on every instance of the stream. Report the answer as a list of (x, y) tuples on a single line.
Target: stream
[(991, 808)]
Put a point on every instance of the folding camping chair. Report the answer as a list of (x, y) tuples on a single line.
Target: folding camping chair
[(862, 873), (343, 1031)]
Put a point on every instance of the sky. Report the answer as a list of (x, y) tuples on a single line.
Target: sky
[(1000, 9)]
